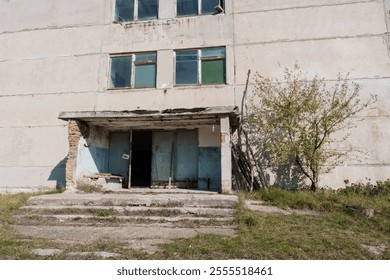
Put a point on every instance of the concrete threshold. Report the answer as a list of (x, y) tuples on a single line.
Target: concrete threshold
[(136, 199)]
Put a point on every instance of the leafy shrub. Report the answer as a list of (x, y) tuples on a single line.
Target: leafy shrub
[(380, 188)]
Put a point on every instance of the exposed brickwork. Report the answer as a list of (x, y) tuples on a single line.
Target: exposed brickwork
[(74, 135), (76, 130)]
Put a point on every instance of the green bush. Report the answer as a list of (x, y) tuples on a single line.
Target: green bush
[(380, 188)]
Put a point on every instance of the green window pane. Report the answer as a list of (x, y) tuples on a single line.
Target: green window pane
[(124, 10), (145, 76), (213, 72), (121, 71)]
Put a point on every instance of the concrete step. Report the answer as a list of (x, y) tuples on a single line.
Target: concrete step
[(112, 220), (118, 209), (136, 199), (134, 236), (126, 210), (137, 218)]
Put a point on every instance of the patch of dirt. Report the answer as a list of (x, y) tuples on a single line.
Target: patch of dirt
[(258, 206)]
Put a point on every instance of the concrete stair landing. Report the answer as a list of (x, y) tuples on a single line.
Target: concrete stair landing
[(137, 219)]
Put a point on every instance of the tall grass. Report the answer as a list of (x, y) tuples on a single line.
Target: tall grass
[(9, 203), (340, 231), (323, 200)]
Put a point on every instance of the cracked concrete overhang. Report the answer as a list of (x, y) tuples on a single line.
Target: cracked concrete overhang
[(153, 119)]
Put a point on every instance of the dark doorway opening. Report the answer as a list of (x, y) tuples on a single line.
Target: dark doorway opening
[(141, 159)]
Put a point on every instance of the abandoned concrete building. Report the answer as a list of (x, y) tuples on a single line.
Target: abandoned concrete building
[(148, 92)]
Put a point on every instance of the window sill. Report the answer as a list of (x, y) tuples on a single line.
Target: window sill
[(131, 89), (134, 22), (178, 87), (201, 86), (201, 15)]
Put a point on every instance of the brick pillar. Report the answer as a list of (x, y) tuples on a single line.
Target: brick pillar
[(74, 135)]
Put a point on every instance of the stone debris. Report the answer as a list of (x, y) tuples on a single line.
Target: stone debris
[(369, 213), (46, 252), (101, 254), (376, 250)]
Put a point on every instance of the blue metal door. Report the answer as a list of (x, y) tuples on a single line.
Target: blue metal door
[(186, 155), (163, 143), (174, 156), (119, 154)]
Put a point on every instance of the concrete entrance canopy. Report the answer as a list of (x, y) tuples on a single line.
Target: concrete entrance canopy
[(194, 145), (149, 119)]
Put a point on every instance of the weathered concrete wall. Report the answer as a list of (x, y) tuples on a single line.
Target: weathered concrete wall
[(210, 136), (325, 38), (19, 15), (30, 160), (54, 56), (226, 156)]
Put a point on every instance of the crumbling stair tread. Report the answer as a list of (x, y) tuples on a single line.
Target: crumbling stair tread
[(67, 217), (123, 210)]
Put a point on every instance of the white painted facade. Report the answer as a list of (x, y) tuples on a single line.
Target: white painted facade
[(55, 56)]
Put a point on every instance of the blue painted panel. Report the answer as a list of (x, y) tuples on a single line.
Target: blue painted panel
[(119, 145), (185, 161), (92, 159), (210, 167), (161, 155), (100, 156), (186, 155)]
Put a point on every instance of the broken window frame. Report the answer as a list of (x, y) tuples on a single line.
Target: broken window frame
[(135, 12), (152, 60), (200, 59), (200, 9)]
